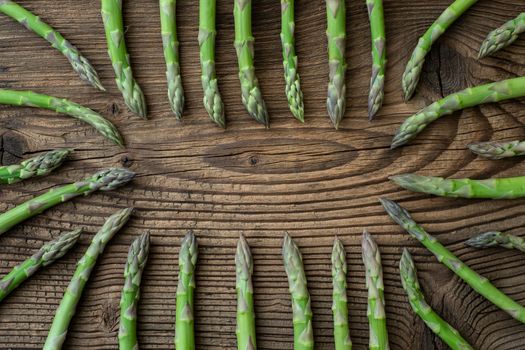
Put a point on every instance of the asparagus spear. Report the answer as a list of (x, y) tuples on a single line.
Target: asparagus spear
[(498, 150), (493, 92), (376, 299), (415, 64), (291, 77), (137, 258), (105, 180), (339, 305), (68, 304), (168, 25), (46, 255), (502, 36), (207, 32), (496, 238), (302, 312), (184, 333), (377, 82), (479, 283), (251, 93), (40, 165), (61, 105), (245, 313), (417, 301), (112, 17), (79, 63), (336, 34)]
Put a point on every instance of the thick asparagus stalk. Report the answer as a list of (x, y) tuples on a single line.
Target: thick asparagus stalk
[(184, 332), (493, 92), (137, 258), (377, 82), (105, 180), (49, 253), (245, 312), (502, 36), (340, 305), (479, 283), (112, 17), (496, 238), (498, 150), (68, 304)]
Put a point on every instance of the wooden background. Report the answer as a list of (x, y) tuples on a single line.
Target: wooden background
[(309, 180)]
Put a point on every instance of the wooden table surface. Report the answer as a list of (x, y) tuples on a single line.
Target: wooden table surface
[(309, 180)]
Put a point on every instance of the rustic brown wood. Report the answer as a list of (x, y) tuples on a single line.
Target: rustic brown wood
[(309, 180)]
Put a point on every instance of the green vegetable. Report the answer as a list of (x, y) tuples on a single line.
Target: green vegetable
[(336, 34), (105, 180), (417, 301), (340, 304), (415, 64), (302, 312), (61, 105), (49, 253), (493, 92), (496, 238), (291, 77), (502, 36), (137, 258), (478, 283), (498, 150), (245, 313), (112, 17), (377, 82), (184, 333), (40, 165), (168, 26), (251, 93), (68, 304), (376, 299)]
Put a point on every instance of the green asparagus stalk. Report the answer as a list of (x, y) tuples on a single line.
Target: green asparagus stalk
[(479, 283), (502, 36), (251, 93), (168, 26), (112, 17), (105, 180), (245, 312), (498, 150), (493, 92), (40, 165), (137, 258), (33, 23), (418, 303), (336, 34), (46, 255), (496, 238), (340, 304), (68, 304), (377, 82), (61, 105), (293, 90), (415, 64), (376, 299), (302, 312), (184, 333)]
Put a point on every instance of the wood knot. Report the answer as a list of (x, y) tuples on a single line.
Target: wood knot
[(110, 315), (253, 160), (126, 161), (114, 108)]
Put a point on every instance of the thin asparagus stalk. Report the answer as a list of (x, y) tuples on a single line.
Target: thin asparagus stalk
[(251, 93), (105, 180), (46, 255), (184, 332), (112, 17), (502, 36), (302, 312), (498, 150), (336, 34), (68, 304), (376, 299), (493, 92), (415, 64), (245, 313), (340, 305), (377, 82), (418, 303), (137, 258), (293, 90), (496, 238), (479, 283), (33, 23)]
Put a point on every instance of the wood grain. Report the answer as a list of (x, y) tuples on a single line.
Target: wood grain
[(309, 180)]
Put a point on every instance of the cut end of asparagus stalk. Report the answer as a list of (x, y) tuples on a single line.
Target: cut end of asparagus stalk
[(57, 248), (43, 164), (487, 239)]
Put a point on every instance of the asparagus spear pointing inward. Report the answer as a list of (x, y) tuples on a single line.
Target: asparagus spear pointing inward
[(377, 82), (498, 150), (245, 312), (502, 36), (340, 304), (496, 238)]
